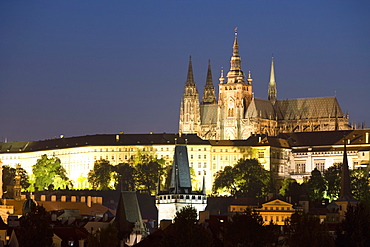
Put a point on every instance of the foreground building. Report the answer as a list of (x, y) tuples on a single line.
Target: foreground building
[(292, 155), (180, 193), (237, 114)]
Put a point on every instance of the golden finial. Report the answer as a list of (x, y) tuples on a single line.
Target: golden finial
[(236, 31)]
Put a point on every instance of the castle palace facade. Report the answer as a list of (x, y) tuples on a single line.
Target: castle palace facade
[(237, 114)]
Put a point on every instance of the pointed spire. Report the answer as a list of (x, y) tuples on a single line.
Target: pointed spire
[(272, 73), (190, 79), (249, 78), (236, 45), (209, 90), (222, 78), (345, 190), (272, 92), (209, 74), (235, 75)]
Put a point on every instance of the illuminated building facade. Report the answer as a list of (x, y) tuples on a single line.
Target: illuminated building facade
[(238, 114), (292, 155)]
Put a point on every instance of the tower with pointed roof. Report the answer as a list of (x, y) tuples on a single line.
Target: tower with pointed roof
[(189, 110), (180, 193), (272, 92), (209, 96), (234, 97), (345, 196)]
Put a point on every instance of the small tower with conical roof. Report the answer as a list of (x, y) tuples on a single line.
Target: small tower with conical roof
[(209, 90), (180, 193), (189, 110), (272, 92)]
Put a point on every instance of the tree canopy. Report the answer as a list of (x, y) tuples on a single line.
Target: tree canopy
[(247, 178), (354, 229), (9, 174), (35, 229), (305, 230), (316, 186), (101, 175), (141, 175), (186, 231), (49, 171), (246, 229)]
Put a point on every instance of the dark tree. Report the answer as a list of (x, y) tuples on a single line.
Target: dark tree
[(9, 176), (124, 177), (246, 229), (355, 228), (34, 229), (104, 237), (186, 232), (100, 176), (147, 176), (360, 185), (305, 230), (247, 178), (332, 177), (316, 186)]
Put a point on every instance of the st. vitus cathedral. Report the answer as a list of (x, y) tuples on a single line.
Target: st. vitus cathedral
[(237, 114)]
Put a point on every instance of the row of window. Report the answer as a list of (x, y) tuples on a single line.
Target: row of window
[(277, 218), (277, 208)]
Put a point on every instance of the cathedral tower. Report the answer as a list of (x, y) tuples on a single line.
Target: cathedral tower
[(234, 97), (272, 92), (189, 111), (209, 90)]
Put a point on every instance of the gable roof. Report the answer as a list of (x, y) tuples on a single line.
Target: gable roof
[(308, 108), (260, 108)]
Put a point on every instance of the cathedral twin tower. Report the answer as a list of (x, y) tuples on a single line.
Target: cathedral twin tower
[(238, 114)]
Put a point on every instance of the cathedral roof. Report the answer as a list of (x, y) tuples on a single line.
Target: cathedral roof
[(260, 108), (208, 114), (308, 108)]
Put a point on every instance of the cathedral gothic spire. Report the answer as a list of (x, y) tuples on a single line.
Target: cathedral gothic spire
[(189, 110), (190, 79), (235, 75), (272, 92), (209, 90)]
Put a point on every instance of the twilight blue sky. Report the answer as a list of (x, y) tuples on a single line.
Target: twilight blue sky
[(90, 67)]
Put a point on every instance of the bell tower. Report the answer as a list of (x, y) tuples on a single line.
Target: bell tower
[(189, 110), (234, 97)]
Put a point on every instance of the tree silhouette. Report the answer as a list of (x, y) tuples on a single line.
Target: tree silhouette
[(100, 176), (186, 232)]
